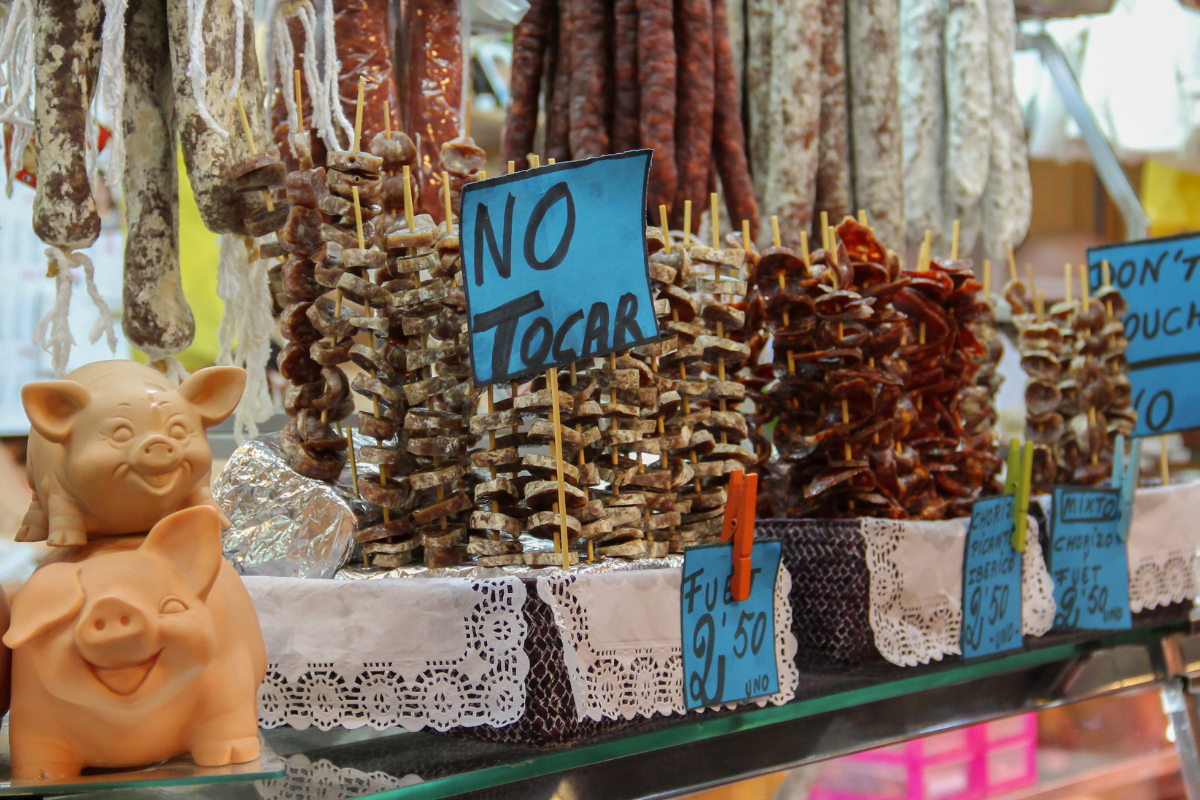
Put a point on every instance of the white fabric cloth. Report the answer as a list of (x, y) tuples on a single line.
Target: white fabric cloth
[(441, 652), (623, 640), (916, 588), (1162, 546)]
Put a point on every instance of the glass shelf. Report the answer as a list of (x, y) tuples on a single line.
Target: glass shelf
[(834, 714)]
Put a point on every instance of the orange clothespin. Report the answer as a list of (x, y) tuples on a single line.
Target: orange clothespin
[(738, 526)]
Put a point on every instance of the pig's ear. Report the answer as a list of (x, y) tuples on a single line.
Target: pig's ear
[(52, 595), (215, 392), (52, 405), (191, 541)]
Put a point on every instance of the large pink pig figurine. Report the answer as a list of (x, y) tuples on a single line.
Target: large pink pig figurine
[(115, 447), (132, 650)]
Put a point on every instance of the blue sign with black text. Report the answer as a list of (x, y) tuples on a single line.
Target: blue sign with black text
[(1088, 560), (991, 580), (555, 265), (728, 645), (1160, 279)]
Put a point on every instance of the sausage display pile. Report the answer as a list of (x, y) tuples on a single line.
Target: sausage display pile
[(875, 387), (947, 454), (617, 76)]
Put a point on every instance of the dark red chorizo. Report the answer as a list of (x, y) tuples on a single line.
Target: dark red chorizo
[(657, 76), (694, 118), (364, 50), (589, 95), (729, 137), (530, 39), (625, 77)]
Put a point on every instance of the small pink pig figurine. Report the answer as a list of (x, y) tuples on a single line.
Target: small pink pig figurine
[(115, 447), (132, 650)]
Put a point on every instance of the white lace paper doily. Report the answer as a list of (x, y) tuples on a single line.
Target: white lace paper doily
[(623, 640), (1162, 546), (305, 780), (441, 652), (916, 587)]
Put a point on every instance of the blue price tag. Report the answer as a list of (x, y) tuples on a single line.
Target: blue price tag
[(991, 580), (1088, 560), (555, 266), (728, 646), (1160, 279)]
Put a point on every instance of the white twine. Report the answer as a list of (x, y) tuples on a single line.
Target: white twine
[(112, 76), (17, 58), (332, 68), (56, 323), (243, 286), (320, 71), (167, 364), (16, 75), (197, 70)]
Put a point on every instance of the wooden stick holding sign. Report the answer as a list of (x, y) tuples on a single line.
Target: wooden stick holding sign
[(561, 507)]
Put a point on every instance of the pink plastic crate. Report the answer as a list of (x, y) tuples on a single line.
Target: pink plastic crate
[(965, 764)]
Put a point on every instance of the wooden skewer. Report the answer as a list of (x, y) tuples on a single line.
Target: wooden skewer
[(1163, 463), (409, 219), (1012, 266), (954, 242), (467, 122), (687, 222), (1041, 307), (862, 218), (787, 320), (446, 199), (746, 235), (358, 109), (825, 230), (1029, 276), (1092, 424), (387, 118), (1107, 282), (253, 147), (1084, 289), (512, 167), (666, 228), (353, 464), (552, 378), (299, 102), (1067, 280), (534, 161)]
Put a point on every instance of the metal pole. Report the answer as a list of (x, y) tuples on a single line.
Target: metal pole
[(1180, 707), (1137, 224)]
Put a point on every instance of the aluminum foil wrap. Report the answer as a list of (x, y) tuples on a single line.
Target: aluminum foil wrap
[(285, 524)]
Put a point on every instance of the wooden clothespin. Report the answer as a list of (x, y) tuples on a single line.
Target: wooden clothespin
[(738, 526)]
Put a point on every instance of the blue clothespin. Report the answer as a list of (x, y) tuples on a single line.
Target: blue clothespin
[(1125, 478)]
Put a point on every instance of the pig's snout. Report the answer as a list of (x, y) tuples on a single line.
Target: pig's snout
[(155, 454), (115, 634)]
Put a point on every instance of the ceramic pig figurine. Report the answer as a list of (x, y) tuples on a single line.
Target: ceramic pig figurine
[(116, 446), (132, 650)]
